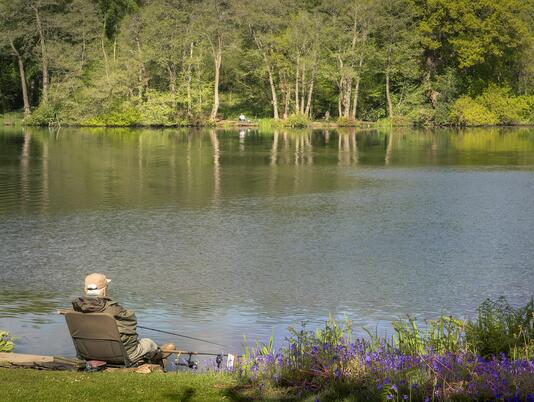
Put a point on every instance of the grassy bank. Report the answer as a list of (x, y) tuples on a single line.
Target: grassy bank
[(34, 385), (28, 385)]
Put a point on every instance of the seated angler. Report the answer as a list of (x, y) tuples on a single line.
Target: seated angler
[(96, 300)]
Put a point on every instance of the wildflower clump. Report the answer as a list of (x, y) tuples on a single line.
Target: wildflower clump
[(434, 363)]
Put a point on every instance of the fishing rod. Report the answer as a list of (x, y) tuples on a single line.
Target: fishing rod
[(180, 335)]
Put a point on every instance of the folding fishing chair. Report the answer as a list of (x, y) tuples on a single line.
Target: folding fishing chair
[(96, 338)]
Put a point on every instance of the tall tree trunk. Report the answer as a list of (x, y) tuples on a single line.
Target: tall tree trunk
[(105, 54), (172, 82), (274, 97), (297, 106), (84, 47), (346, 96), (190, 80), (142, 77), (357, 88), (273, 91), (307, 112), (355, 101), (286, 103), (339, 112), (341, 86), (44, 56), (200, 102), (22, 74), (388, 96), (303, 88), (286, 91), (217, 59)]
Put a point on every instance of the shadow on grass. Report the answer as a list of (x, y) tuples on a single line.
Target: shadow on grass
[(345, 392), (184, 396)]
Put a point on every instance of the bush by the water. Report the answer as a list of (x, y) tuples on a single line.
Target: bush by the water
[(448, 359), (468, 112), (297, 121), (496, 105), (343, 121), (6, 342)]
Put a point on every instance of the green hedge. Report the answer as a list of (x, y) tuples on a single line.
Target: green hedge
[(496, 105)]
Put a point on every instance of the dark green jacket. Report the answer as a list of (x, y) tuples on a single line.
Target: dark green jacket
[(126, 320)]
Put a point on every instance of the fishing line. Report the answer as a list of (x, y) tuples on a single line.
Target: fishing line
[(180, 335)]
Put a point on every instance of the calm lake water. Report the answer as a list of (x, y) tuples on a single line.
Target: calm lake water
[(220, 234)]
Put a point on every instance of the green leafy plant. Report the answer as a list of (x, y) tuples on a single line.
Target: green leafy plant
[(501, 328), (7, 343), (444, 334), (508, 108)]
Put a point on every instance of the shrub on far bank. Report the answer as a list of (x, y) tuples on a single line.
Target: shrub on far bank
[(508, 108), (43, 115), (423, 117), (123, 115), (395, 121), (297, 121), (158, 110), (11, 119), (343, 121), (468, 112), (496, 105)]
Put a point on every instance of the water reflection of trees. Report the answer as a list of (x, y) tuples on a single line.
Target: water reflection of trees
[(99, 168)]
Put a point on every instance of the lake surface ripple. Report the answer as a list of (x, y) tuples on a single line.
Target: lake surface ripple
[(220, 234)]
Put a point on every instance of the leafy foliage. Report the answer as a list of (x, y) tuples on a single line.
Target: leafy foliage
[(496, 105), (6, 342), (508, 108), (468, 112), (501, 328), (430, 62)]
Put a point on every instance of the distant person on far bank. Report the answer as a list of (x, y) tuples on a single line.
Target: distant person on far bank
[(96, 300), (242, 118)]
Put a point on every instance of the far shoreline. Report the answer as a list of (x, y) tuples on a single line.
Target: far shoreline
[(16, 119)]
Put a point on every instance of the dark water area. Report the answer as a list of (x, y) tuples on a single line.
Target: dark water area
[(221, 234)]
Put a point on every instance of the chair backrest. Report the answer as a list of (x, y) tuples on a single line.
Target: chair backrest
[(96, 337)]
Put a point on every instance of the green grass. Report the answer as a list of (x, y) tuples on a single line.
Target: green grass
[(37, 385), (28, 384)]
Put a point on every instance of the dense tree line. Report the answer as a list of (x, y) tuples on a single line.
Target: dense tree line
[(121, 62)]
